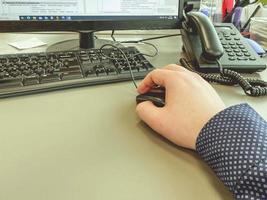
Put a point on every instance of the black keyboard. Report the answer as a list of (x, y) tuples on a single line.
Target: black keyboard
[(40, 72)]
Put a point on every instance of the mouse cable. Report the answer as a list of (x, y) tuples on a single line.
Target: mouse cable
[(117, 43), (251, 86), (145, 54), (137, 42), (145, 39), (124, 56), (152, 38)]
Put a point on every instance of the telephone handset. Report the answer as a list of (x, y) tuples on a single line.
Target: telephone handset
[(211, 46), (220, 48)]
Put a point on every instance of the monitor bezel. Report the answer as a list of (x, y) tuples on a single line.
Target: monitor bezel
[(84, 25)]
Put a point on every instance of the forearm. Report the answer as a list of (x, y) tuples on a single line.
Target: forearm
[(234, 144)]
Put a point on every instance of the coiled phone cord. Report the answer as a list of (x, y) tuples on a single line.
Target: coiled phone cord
[(251, 86)]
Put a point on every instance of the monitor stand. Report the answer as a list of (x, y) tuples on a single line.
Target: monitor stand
[(87, 40)]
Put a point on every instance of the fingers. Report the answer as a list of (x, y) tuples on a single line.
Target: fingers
[(159, 77), (148, 113), (156, 77)]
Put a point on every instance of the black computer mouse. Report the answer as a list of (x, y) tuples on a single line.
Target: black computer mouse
[(156, 96)]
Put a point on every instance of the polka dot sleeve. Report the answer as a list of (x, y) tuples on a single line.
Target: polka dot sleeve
[(234, 144)]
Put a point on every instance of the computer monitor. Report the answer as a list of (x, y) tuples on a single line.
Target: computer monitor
[(88, 16)]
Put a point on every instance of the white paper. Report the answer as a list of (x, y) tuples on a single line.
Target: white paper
[(27, 44)]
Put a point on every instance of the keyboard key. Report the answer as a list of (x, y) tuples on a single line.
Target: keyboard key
[(3, 60), (47, 78), (111, 71), (71, 75), (10, 82), (30, 80), (232, 58), (74, 67), (100, 72), (90, 73), (234, 47), (231, 54), (39, 71), (233, 33), (242, 58)]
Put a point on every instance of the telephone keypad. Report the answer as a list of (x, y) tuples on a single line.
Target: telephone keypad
[(242, 58), (231, 54), (234, 48), (233, 33)]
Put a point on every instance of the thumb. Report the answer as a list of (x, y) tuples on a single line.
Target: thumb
[(149, 113)]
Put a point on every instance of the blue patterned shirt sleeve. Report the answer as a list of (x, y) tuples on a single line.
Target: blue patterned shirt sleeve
[(234, 144)]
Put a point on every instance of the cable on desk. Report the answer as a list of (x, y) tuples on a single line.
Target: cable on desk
[(136, 42), (152, 38), (124, 56), (143, 40), (251, 86), (145, 54), (112, 35)]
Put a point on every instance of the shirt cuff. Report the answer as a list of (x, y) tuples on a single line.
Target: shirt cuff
[(233, 142)]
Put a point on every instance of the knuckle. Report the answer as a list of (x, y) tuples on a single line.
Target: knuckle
[(173, 65), (156, 71)]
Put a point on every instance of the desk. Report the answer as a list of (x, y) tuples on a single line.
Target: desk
[(88, 143)]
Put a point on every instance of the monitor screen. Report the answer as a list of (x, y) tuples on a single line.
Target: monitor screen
[(88, 10), (34, 15)]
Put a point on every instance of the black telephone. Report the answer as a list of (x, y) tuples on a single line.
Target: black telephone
[(205, 44), (220, 48)]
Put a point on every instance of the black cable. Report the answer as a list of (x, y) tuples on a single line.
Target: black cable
[(112, 35), (249, 19), (142, 41), (125, 58), (145, 54), (152, 38), (251, 86), (238, 3)]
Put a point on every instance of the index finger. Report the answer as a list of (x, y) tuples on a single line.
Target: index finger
[(157, 77)]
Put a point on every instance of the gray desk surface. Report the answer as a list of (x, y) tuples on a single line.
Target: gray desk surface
[(88, 143)]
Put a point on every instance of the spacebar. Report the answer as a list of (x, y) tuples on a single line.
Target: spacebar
[(71, 75), (10, 82)]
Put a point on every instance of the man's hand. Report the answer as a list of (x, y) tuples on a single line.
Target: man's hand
[(190, 103)]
